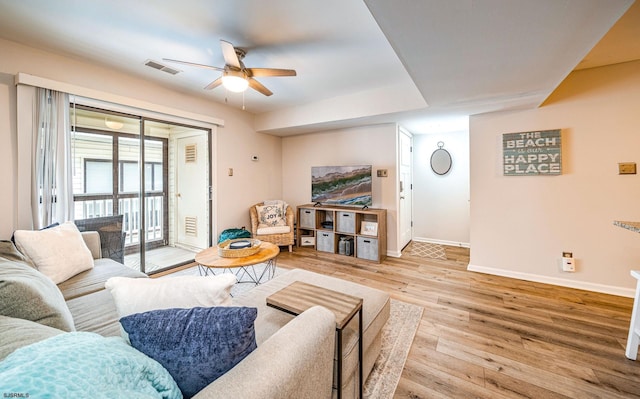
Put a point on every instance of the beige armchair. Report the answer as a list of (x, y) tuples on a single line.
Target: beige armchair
[(265, 227)]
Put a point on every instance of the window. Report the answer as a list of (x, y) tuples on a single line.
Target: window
[(129, 177), (98, 176)]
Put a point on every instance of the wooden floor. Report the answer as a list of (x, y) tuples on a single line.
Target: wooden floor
[(484, 336)]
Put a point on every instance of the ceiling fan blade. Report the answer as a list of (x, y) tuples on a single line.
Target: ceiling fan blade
[(194, 64), (257, 86), (229, 54), (214, 84), (270, 72)]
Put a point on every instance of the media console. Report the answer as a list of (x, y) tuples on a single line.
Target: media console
[(344, 230)]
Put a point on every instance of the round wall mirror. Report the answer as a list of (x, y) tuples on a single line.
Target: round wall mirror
[(441, 160)]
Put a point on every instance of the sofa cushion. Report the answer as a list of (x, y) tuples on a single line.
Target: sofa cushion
[(92, 280), (16, 333), (58, 252), (195, 345), (273, 230), (96, 312), (25, 293), (9, 251), (137, 295)]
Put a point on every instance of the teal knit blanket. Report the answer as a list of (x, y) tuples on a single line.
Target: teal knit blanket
[(84, 365)]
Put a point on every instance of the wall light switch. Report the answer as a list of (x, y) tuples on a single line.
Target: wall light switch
[(230, 171), (627, 168)]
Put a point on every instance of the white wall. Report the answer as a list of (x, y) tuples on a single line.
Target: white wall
[(368, 145), (441, 203), (521, 224), (235, 142)]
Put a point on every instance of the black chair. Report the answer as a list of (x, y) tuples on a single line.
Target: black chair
[(112, 237)]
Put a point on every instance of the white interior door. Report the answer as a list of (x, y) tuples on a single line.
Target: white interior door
[(192, 191), (405, 187)]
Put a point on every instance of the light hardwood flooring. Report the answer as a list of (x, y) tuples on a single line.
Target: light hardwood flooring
[(484, 336)]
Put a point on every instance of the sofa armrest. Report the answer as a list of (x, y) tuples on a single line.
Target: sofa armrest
[(92, 239), (295, 362)]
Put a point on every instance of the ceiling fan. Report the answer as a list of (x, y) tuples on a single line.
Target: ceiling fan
[(235, 76)]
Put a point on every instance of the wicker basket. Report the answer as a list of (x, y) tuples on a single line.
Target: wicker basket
[(226, 252)]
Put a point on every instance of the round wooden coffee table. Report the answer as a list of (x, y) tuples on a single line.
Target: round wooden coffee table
[(208, 261)]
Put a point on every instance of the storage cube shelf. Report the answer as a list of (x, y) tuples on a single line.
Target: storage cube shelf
[(340, 230)]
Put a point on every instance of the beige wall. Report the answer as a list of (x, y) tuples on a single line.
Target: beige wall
[(8, 156), (520, 225), (233, 147), (368, 145)]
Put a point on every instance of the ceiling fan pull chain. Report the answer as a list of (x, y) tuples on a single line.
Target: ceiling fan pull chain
[(243, 101)]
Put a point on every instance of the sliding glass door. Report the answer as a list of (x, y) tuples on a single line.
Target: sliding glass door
[(110, 183)]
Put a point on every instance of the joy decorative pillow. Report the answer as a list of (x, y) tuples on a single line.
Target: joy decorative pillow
[(270, 216)]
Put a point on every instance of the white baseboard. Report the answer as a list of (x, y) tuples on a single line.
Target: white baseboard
[(442, 242), (581, 285), (394, 254)]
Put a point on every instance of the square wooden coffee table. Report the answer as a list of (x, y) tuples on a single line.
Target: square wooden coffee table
[(299, 296)]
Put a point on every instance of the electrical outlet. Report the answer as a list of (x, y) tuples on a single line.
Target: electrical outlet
[(382, 173), (568, 263)]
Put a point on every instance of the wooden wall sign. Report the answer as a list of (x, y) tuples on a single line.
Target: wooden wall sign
[(532, 153)]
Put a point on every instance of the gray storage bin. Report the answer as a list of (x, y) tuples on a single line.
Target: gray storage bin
[(325, 242), (367, 248), (307, 218), (346, 222)]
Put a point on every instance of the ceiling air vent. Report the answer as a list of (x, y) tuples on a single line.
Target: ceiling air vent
[(161, 67)]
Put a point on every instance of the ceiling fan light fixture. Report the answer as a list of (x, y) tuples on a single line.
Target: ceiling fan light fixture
[(235, 81)]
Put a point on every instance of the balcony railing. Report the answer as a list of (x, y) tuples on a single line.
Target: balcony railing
[(94, 206)]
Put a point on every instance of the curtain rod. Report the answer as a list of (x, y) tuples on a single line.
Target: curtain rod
[(31, 80)]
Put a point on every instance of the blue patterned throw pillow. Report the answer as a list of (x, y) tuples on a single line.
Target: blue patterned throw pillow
[(195, 345)]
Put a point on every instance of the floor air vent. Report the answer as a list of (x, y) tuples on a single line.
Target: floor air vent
[(161, 67), (191, 226)]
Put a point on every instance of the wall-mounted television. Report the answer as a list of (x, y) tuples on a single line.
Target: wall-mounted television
[(341, 185)]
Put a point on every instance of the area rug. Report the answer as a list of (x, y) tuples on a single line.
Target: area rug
[(397, 337), (426, 250)]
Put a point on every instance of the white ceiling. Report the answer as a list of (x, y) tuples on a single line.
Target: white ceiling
[(358, 62)]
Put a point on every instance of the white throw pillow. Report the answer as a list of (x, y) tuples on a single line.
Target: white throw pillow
[(138, 295), (58, 252)]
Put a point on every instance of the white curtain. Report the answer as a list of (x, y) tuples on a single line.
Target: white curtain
[(51, 189)]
